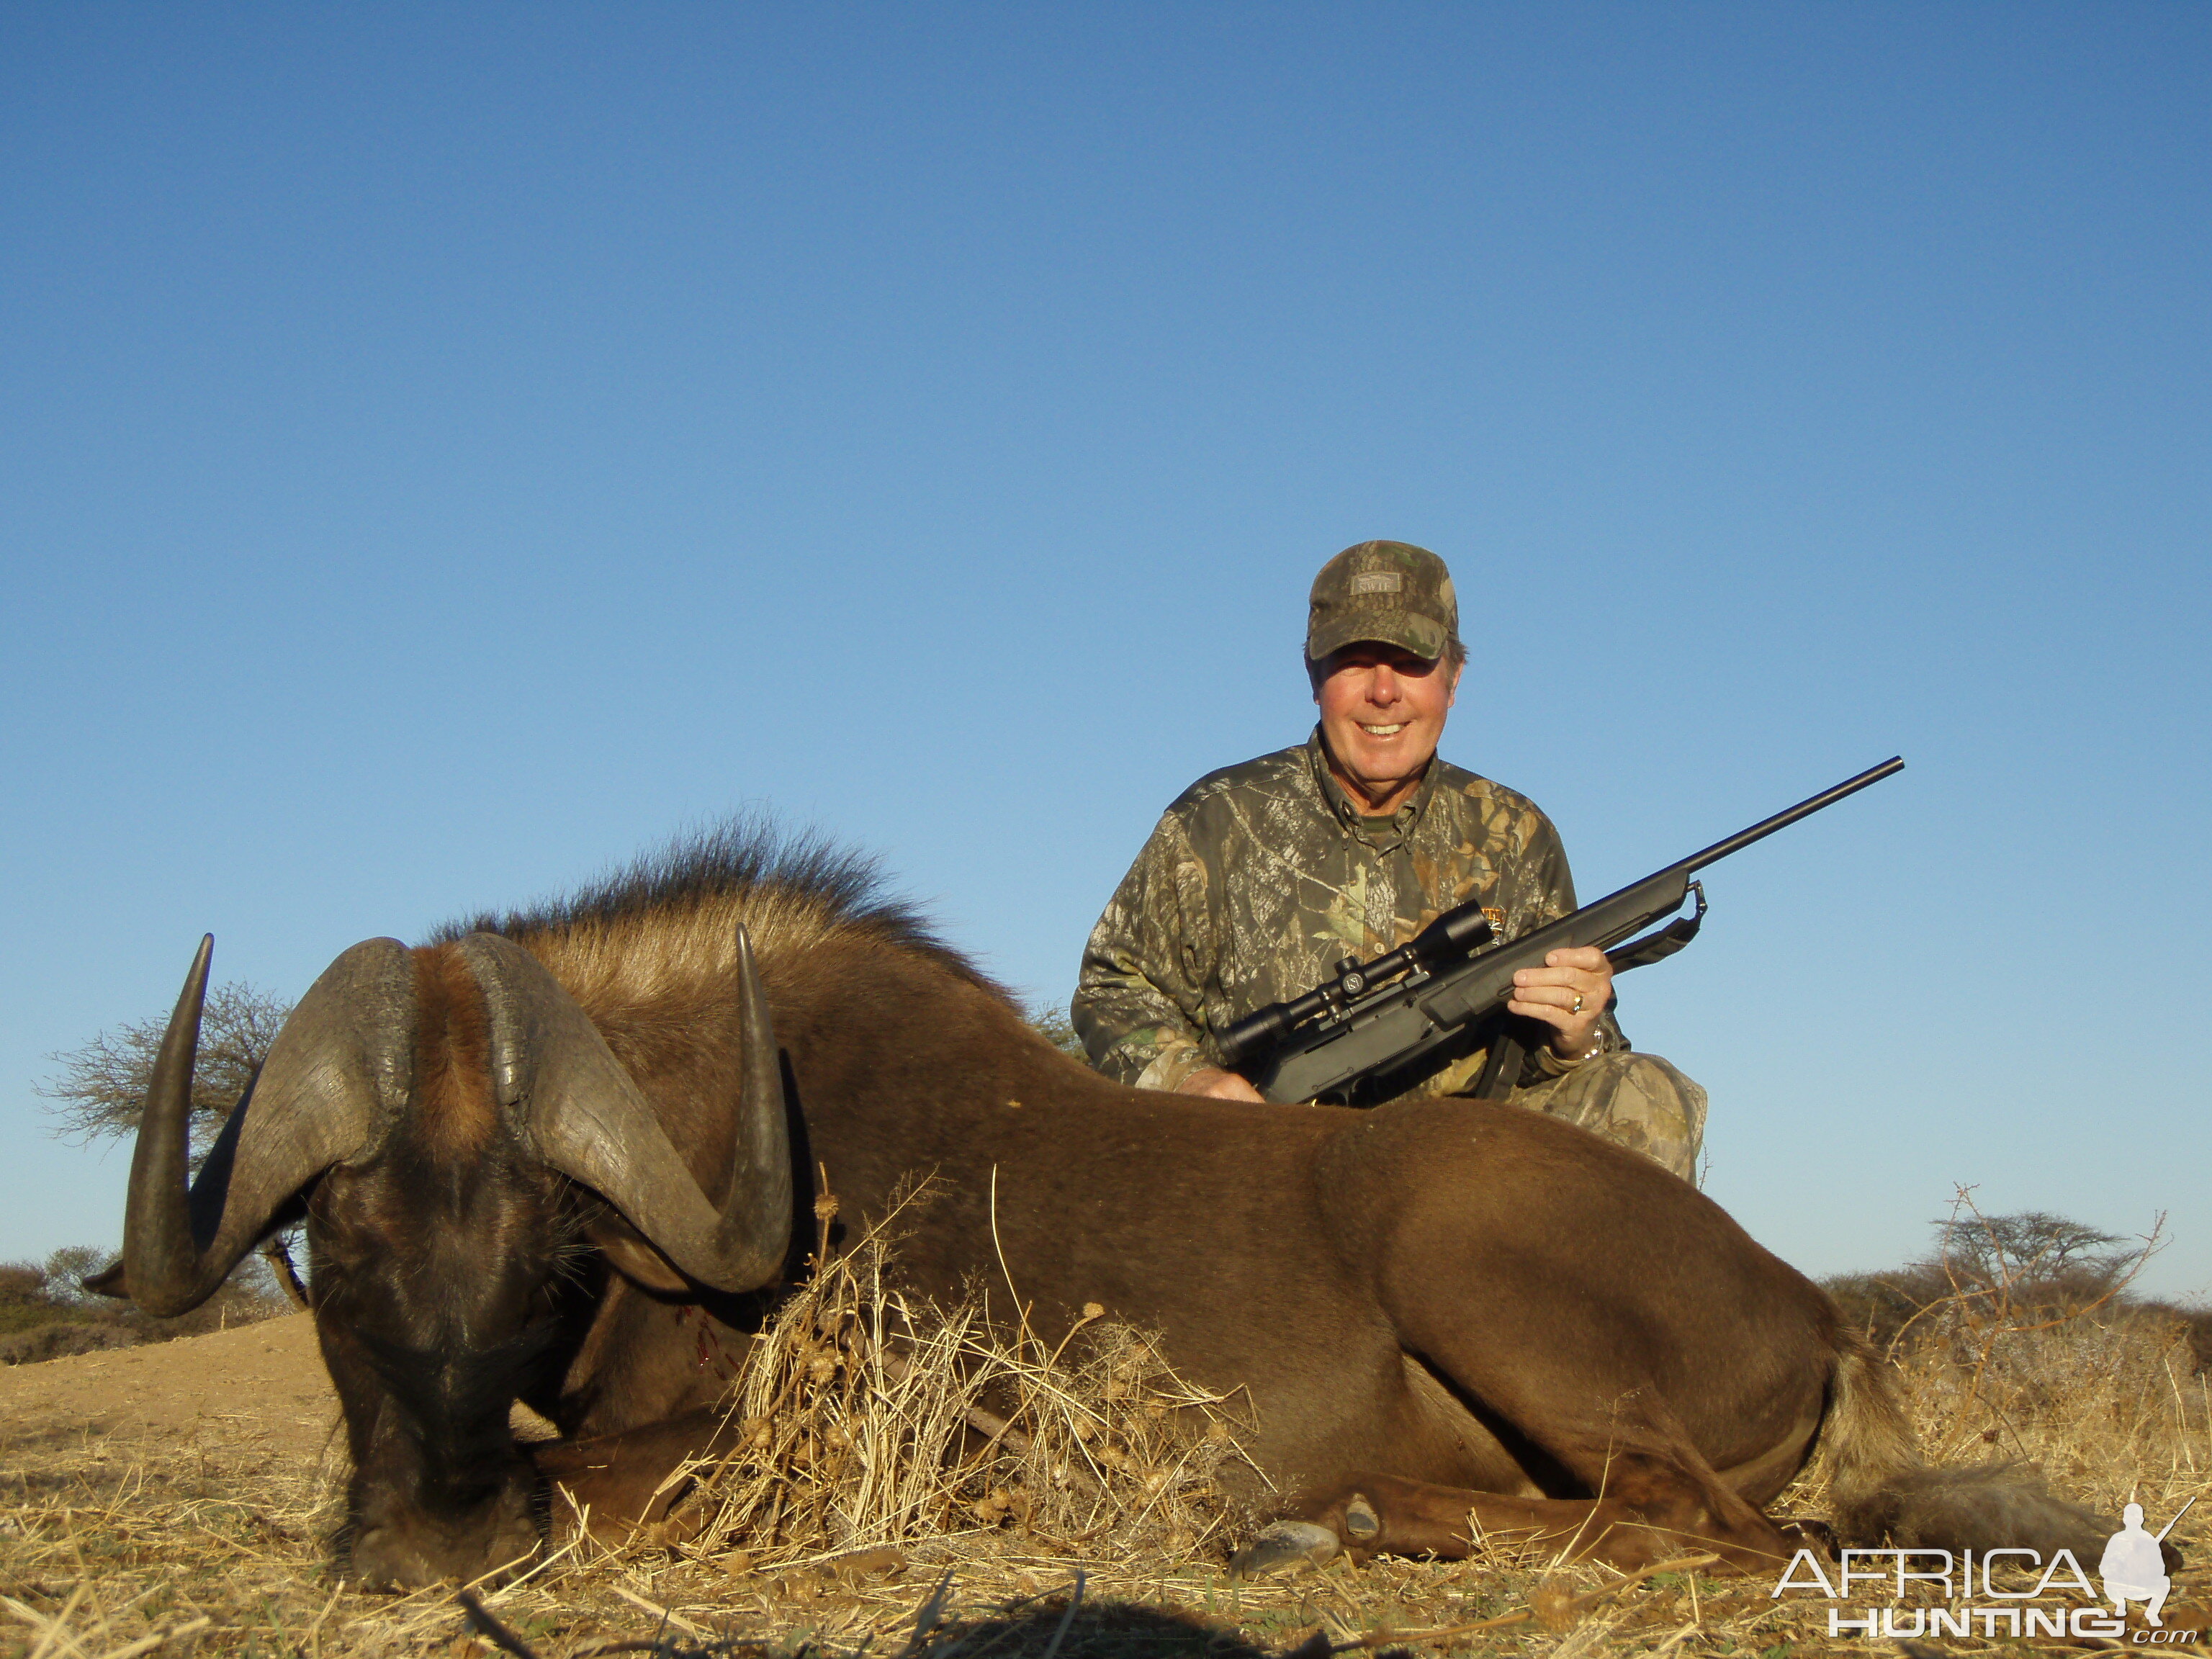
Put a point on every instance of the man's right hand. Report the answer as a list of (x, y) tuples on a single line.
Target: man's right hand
[(1220, 1084)]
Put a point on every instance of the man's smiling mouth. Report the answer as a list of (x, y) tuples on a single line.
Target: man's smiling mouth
[(1382, 731)]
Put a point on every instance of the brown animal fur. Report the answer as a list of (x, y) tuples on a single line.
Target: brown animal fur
[(453, 1056)]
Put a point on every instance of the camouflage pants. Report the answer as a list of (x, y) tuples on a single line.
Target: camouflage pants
[(1639, 1101)]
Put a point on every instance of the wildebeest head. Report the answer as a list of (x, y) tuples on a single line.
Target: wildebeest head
[(456, 1130)]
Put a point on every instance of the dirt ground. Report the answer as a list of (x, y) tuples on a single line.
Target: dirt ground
[(251, 1397)]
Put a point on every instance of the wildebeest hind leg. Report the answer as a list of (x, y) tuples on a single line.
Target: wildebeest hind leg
[(1389, 1514), (1385, 1514), (1605, 1436), (1652, 1496), (615, 1483), (1641, 1458)]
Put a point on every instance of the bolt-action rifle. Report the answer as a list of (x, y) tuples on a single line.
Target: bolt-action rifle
[(1363, 1037)]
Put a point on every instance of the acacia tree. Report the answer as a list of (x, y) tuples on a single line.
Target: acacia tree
[(100, 1093), (2031, 1250)]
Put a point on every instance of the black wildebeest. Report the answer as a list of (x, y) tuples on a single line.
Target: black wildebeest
[(530, 1152)]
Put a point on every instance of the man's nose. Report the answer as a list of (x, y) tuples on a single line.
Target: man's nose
[(1385, 688)]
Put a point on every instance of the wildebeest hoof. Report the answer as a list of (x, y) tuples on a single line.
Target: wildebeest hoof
[(1284, 1547), (1360, 1519), (1812, 1533)]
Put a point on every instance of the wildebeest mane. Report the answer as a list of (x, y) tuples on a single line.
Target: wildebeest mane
[(673, 911)]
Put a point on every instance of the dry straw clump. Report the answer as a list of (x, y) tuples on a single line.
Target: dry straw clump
[(867, 1423)]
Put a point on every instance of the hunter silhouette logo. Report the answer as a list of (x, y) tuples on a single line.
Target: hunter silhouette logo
[(2134, 1566)]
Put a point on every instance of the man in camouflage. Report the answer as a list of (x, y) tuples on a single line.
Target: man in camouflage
[(1261, 877)]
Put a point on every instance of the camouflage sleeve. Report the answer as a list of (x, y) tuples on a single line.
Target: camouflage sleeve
[(1138, 1005), (1551, 884)]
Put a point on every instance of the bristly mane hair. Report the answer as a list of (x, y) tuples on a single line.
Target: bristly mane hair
[(675, 908)]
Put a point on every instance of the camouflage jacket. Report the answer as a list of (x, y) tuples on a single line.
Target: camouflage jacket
[(1261, 877)]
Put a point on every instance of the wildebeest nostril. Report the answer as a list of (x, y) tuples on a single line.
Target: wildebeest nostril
[(417, 1548)]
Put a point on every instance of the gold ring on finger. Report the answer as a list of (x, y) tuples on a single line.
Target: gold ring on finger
[(1577, 1008)]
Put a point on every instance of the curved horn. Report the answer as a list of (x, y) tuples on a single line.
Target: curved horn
[(329, 1076), (589, 1120)]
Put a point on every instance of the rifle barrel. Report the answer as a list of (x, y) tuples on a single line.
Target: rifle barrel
[(1783, 820), (2177, 1514)]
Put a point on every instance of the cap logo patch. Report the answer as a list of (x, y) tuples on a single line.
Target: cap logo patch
[(1377, 581)]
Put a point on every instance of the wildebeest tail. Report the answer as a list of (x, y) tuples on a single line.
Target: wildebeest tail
[(1882, 1492)]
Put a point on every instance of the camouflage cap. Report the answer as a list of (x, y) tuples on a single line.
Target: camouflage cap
[(1393, 592)]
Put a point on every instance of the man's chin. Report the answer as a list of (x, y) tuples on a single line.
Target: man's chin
[(1381, 767)]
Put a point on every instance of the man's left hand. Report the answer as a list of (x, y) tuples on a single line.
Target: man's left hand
[(1570, 993)]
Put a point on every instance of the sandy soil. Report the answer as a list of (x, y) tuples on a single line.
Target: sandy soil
[(258, 1389)]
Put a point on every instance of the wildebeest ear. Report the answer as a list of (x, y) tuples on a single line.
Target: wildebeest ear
[(629, 1255)]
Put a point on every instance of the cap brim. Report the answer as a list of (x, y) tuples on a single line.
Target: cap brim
[(1425, 638)]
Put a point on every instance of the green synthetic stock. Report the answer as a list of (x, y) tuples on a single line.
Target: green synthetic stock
[(1356, 1041)]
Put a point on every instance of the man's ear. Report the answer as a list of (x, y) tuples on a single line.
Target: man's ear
[(629, 1254), (1451, 692)]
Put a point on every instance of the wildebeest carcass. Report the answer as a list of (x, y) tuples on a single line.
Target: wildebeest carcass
[(531, 1153)]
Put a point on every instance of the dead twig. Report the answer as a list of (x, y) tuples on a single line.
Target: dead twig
[(482, 1621)]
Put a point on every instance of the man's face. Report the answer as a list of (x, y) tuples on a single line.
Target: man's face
[(1383, 709)]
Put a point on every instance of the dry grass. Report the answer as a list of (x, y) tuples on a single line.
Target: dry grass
[(869, 1426), (910, 1486)]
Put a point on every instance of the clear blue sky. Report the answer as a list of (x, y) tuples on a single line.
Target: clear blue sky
[(445, 449)]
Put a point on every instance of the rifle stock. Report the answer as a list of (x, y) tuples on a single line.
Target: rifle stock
[(1354, 1041)]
